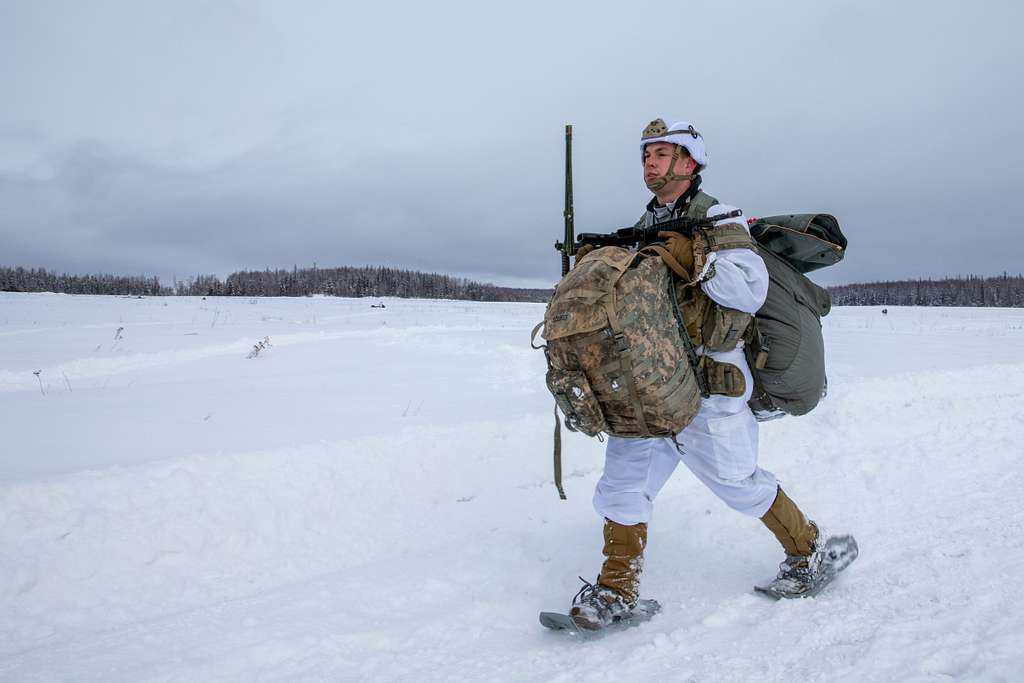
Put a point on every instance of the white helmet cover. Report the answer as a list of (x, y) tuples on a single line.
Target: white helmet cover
[(679, 133)]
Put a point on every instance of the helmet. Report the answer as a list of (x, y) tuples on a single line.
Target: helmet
[(679, 133)]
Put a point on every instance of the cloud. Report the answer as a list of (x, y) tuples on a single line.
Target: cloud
[(191, 138)]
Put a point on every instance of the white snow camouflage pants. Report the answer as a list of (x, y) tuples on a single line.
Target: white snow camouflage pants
[(719, 447)]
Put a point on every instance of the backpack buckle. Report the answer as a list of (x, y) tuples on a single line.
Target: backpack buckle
[(621, 345)]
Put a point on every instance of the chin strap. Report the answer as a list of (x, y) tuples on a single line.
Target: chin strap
[(661, 181)]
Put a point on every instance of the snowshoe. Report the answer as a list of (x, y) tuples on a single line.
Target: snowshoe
[(596, 607), (804, 576), (644, 610)]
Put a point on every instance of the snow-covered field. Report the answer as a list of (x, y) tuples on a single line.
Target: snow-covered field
[(370, 498)]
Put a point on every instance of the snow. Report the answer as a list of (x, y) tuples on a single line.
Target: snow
[(370, 498)]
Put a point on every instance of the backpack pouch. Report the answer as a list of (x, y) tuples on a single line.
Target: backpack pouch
[(724, 328), (576, 399), (576, 307)]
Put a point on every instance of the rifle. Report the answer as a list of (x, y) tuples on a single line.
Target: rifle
[(568, 248), (628, 237)]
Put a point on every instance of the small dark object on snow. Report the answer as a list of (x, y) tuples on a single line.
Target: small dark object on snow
[(885, 311), (380, 305), (259, 346)]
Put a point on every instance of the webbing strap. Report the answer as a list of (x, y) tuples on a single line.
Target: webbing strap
[(670, 261), (590, 337), (728, 236), (670, 175), (716, 238), (672, 384), (684, 334), (558, 455), (700, 257), (612, 369), (533, 335), (626, 362)]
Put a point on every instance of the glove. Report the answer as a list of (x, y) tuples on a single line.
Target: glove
[(680, 247), (583, 251)]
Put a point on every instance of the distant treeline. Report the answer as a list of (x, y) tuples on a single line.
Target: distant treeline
[(1004, 290), (344, 281)]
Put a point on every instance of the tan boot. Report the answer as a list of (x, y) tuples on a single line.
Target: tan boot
[(813, 558), (624, 559), (618, 586), (784, 519)]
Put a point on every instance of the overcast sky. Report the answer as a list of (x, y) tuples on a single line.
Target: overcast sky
[(183, 137)]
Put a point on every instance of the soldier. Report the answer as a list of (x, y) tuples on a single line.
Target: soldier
[(720, 445)]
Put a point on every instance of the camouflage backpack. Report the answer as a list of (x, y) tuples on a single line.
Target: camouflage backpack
[(619, 358)]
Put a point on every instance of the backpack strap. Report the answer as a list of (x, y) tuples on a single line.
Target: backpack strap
[(533, 336), (625, 361), (557, 446), (728, 236), (669, 260), (697, 207), (684, 334), (558, 455), (700, 204), (717, 238)]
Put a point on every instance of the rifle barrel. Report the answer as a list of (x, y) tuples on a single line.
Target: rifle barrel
[(568, 248)]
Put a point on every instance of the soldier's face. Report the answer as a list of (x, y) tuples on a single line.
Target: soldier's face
[(658, 158)]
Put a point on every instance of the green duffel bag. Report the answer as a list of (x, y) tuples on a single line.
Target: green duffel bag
[(785, 347), (807, 241)]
